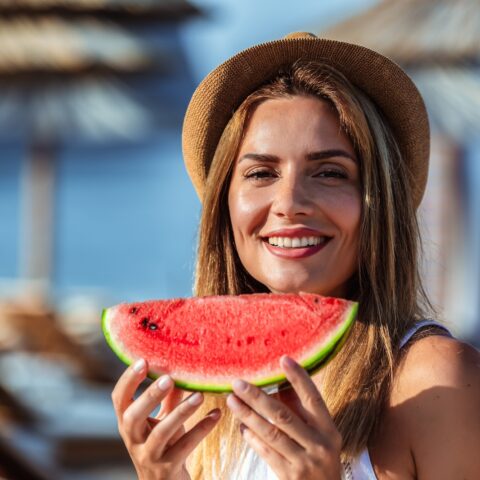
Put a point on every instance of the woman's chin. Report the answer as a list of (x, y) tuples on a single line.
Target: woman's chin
[(295, 289), (305, 288)]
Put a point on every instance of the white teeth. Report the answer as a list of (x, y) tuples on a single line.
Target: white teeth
[(295, 242)]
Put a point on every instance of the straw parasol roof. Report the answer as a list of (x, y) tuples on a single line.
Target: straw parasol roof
[(61, 78), (63, 64), (87, 110), (118, 10), (91, 4), (416, 32), (55, 44), (438, 43), (453, 99)]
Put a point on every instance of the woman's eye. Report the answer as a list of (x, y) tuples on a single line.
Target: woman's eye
[(258, 174), (331, 174)]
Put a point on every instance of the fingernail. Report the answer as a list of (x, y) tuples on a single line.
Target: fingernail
[(233, 403), (139, 365), (239, 385), (215, 414), (288, 362), (164, 382), (195, 399)]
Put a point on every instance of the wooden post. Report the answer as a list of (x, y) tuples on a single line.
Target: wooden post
[(38, 181)]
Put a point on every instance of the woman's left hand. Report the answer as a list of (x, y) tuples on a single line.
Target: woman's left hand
[(297, 445)]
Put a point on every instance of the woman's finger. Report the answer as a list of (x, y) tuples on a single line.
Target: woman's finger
[(153, 422), (279, 431), (173, 398), (312, 401), (279, 416), (134, 421), (178, 452), (160, 436), (126, 386), (276, 461), (289, 397)]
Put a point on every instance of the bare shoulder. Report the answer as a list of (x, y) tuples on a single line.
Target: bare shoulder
[(436, 399), (436, 361)]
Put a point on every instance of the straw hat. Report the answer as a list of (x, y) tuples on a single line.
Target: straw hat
[(224, 89)]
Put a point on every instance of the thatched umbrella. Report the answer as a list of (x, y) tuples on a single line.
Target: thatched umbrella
[(416, 32), (63, 66), (117, 10), (438, 43)]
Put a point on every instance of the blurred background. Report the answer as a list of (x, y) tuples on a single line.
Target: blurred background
[(96, 207)]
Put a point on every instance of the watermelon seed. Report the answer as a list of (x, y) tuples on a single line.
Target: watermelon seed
[(134, 310), (250, 340), (316, 300), (239, 343), (145, 322), (228, 340), (283, 333), (267, 342), (153, 326)]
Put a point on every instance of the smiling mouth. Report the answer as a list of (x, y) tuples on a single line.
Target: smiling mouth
[(292, 243)]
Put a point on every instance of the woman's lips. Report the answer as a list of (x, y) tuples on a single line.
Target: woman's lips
[(299, 252)]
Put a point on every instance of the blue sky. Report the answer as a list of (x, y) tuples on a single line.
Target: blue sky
[(234, 25)]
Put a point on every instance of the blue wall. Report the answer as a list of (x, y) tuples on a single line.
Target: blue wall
[(126, 220)]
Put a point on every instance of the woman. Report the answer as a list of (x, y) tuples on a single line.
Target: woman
[(312, 185)]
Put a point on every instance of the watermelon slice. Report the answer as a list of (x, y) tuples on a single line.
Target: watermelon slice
[(204, 343)]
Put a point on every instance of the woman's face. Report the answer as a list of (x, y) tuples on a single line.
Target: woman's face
[(294, 198)]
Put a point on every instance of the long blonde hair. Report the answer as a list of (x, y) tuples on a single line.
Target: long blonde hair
[(387, 286)]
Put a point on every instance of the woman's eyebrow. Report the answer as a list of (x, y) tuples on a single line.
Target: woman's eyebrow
[(329, 154), (321, 155), (261, 157)]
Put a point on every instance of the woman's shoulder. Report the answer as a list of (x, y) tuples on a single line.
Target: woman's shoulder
[(435, 401), (435, 361)]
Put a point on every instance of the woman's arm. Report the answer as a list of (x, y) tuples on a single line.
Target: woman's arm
[(437, 398)]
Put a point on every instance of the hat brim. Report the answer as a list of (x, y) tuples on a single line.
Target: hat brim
[(223, 90)]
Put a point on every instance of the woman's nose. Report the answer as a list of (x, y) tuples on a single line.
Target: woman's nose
[(292, 198)]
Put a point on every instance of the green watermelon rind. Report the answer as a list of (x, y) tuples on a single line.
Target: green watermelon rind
[(311, 364)]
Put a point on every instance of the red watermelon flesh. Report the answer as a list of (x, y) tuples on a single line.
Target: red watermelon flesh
[(204, 343)]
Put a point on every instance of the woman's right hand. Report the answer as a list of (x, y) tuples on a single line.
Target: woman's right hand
[(158, 446)]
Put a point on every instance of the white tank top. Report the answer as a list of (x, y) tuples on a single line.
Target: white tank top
[(360, 468)]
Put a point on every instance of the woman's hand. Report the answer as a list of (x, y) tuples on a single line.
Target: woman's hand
[(158, 446), (297, 445)]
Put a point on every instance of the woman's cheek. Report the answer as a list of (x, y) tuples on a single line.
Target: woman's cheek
[(344, 206), (248, 211)]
